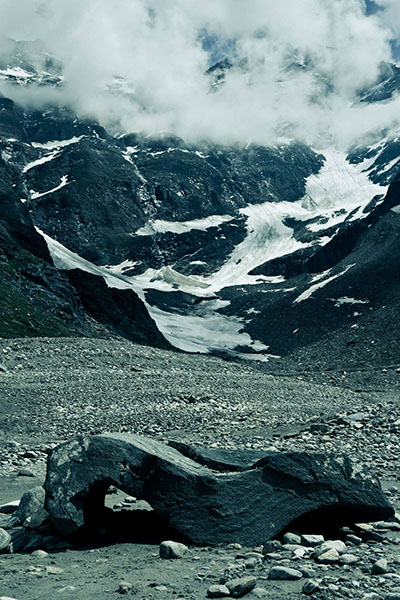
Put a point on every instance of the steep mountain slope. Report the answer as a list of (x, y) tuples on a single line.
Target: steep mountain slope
[(240, 250)]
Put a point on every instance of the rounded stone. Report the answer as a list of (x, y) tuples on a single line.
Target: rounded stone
[(5, 539), (172, 549), (285, 573)]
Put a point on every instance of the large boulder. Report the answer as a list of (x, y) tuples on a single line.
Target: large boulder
[(240, 498)]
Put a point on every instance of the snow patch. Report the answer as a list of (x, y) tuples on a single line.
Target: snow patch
[(267, 238), (203, 332), (64, 181), (57, 143), (347, 300), (337, 190), (159, 226), (40, 161), (308, 293)]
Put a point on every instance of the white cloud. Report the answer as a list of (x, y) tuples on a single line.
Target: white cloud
[(155, 46)]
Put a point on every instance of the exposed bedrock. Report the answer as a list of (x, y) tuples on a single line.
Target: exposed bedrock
[(211, 497)]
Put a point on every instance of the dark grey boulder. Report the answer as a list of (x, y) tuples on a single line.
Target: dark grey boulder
[(207, 505)]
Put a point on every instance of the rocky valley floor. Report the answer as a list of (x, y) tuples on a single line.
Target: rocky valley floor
[(52, 389)]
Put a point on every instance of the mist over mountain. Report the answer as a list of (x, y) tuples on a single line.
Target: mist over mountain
[(143, 66), (225, 171)]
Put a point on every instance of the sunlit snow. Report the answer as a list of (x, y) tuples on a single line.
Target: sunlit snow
[(205, 332), (64, 181), (310, 291), (159, 226)]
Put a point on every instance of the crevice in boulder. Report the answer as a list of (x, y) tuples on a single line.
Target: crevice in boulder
[(112, 516), (328, 520)]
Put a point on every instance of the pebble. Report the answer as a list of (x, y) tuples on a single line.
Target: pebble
[(291, 538), (25, 473), (218, 591), (40, 554), (241, 587), (310, 587), (125, 587), (308, 572), (172, 549), (54, 570), (353, 539), (330, 557), (348, 559), (5, 539), (380, 567), (312, 540), (285, 573), (337, 545)]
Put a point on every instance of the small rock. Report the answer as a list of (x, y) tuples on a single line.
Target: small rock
[(380, 567), (371, 596), (172, 549), (252, 563), (291, 538), (5, 539), (312, 540), (9, 508), (40, 554), (348, 559), (125, 587), (271, 546), (353, 539), (308, 572), (218, 591), (31, 511), (259, 592), (310, 587), (329, 557), (240, 587), (337, 545), (54, 570), (285, 573), (25, 473), (364, 527)]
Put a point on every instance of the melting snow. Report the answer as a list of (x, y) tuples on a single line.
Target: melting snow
[(338, 189), (347, 300), (57, 143), (40, 161), (308, 293), (159, 226), (267, 238), (63, 183), (204, 332)]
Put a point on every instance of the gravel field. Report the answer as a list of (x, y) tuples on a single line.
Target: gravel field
[(52, 389)]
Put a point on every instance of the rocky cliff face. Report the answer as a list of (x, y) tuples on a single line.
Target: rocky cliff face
[(236, 249)]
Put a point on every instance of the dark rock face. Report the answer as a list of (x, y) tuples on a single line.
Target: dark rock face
[(121, 310), (37, 299), (206, 505)]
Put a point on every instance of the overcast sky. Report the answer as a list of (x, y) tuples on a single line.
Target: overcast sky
[(162, 49)]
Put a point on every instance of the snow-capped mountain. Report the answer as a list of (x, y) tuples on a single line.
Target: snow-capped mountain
[(245, 250)]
